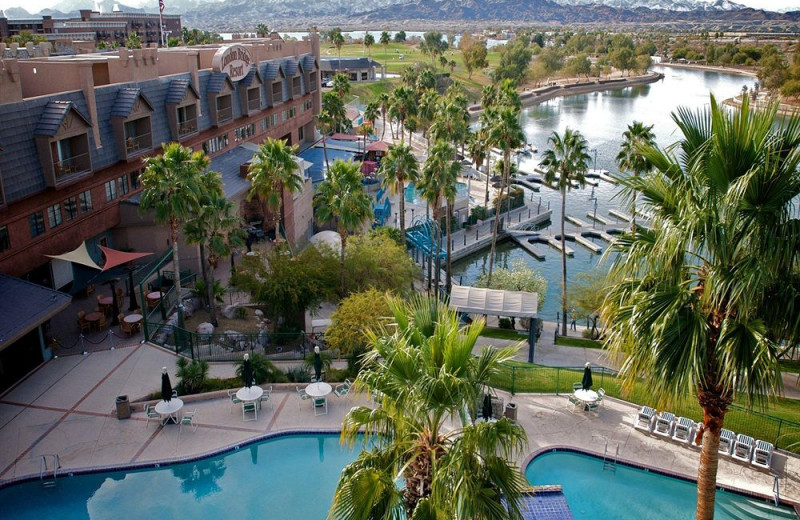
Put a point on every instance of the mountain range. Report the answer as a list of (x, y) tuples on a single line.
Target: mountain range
[(242, 15)]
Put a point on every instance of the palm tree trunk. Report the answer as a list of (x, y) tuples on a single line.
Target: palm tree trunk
[(343, 234), (325, 153), (449, 265), (497, 206), (437, 265), (173, 224), (203, 270), (212, 304), (383, 126), (402, 190), (563, 259), (488, 169), (278, 217)]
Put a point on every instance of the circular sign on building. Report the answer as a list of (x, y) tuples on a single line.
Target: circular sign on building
[(235, 60)]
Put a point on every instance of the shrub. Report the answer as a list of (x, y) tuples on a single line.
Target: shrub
[(297, 375), (264, 371), (358, 313), (193, 375), (240, 313), (505, 323)]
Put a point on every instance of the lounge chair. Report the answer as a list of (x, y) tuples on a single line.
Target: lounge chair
[(742, 447), (320, 406), (151, 413), (188, 420), (762, 455), (266, 398), (664, 423), (249, 406), (726, 438), (234, 400), (683, 430), (644, 420)]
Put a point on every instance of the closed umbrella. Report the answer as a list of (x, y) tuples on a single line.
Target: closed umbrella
[(486, 411), (247, 371), (586, 382), (166, 386), (317, 364)]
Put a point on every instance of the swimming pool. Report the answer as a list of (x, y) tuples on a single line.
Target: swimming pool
[(628, 493), (284, 478)]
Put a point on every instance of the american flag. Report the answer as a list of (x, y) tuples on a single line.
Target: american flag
[(160, 6)]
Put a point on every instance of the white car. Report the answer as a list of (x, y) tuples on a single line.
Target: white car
[(327, 82)]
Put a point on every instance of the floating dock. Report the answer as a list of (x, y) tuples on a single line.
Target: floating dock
[(595, 233), (575, 220), (524, 243), (588, 244), (598, 218), (555, 242), (620, 215)]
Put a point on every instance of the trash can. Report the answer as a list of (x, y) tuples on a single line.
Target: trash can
[(123, 407), (511, 411)]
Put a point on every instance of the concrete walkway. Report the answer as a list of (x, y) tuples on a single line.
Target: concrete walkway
[(66, 407)]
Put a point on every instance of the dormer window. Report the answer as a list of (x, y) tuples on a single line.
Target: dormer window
[(277, 92), (250, 92), (220, 98), (182, 108), (62, 140), (131, 121), (253, 99), (224, 109), (297, 88), (187, 120)]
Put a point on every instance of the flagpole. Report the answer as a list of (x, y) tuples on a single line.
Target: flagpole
[(160, 23)]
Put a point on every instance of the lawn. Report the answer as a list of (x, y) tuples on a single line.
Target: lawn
[(513, 335), (567, 341)]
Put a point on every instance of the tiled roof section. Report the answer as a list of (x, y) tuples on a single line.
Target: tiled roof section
[(126, 99), (251, 77), (217, 82), (177, 89), (24, 306), (228, 165), (271, 70), (52, 116), (348, 63), (290, 66), (309, 63)]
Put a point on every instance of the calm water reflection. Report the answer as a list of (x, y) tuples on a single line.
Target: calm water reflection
[(601, 117)]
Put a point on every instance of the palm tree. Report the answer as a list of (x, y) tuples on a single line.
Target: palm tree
[(384, 101), (403, 105), (708, 294), (397, 168), (371, 112), (506, 133), (630, 157), (565, 163), (342, 197), (419, 464), (385, 39), (341, 86), (438, 182), (172, 187), (426, 113), (218, 229), (273, 170), (369, 41), (338, 40), (262, 30)]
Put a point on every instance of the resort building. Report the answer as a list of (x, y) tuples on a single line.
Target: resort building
[(95, 26), (76, 130), (357, 69)]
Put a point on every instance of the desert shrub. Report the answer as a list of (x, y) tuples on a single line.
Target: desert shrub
[(264, 371), (193, 375)]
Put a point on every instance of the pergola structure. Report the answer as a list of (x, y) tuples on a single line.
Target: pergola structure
[(495, 302)]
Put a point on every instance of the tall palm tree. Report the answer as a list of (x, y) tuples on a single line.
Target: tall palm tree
[(426, 376), (338, 40), (385, 39), (371, 112), (262, 30), (630, 156), (341, 86), (217, 227), (273, 170), (565, 163), (506, 133), (437, 184), (397, 168), (707, 294), (342, 197), (369, 41), (384, 101), (403, 106), (426, 113), (172, 187)]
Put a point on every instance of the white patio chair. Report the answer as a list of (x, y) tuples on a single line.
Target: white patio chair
[(266, 398), (683, 430), (151, 413), (573, 403), (664, 423), (742, 447), (249, 406), (234, 400), (644, 419), (577, 386), (188, 420), (601, 394), (301, 392), (726, 439), (342, 390), (762, 455), (320, 406)]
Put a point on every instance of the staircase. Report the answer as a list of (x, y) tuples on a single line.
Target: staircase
[(610, 463)]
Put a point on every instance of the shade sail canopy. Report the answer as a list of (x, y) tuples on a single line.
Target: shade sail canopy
[(475, 300), (115, 258), (79, 255)]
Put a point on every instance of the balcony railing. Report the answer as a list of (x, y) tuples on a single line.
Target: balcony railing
[(75, 164), (224, 114), (187, 127), (138, 143), (254, 104)]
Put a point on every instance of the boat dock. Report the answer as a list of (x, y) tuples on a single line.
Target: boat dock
[(620, 215), (575, 220), (523, 242), (598, 218)]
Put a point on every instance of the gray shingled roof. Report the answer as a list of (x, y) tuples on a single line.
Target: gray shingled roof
[(347, 63), (217, 81), (308, 62), (52, 116), (126, 99), (177, 89), (272, 70), (228, 165), (251, 77), (24, 306), (290, 66)]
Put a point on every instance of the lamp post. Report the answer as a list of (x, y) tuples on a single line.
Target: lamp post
[(594, 219), (114, 303)]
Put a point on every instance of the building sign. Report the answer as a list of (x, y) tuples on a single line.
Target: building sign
[(235, 60)]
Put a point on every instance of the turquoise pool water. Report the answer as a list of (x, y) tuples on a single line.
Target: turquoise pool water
[(633, 494), (286, 478)]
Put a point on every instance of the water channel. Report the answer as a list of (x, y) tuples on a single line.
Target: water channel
[(601, 117)]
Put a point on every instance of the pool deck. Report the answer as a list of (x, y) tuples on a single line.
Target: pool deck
[(66, 407)]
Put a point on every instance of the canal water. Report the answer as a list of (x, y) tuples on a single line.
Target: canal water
[(601, 117)]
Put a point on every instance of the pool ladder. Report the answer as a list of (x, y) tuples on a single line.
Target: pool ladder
[(43, 468), (776, 491), (609, 463)]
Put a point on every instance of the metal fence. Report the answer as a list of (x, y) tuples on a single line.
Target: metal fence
[(783, 433)]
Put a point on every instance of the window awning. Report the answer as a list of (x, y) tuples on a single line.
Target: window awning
[(495, 302)]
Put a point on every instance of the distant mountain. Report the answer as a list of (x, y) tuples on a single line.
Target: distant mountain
[(664, 5)]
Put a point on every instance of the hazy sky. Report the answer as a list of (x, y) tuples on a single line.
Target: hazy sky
[(34, 6)]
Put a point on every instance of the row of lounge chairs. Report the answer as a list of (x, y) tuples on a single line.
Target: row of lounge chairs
[(684, 430)]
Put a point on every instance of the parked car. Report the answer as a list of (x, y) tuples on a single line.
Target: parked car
[(327, 82)]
